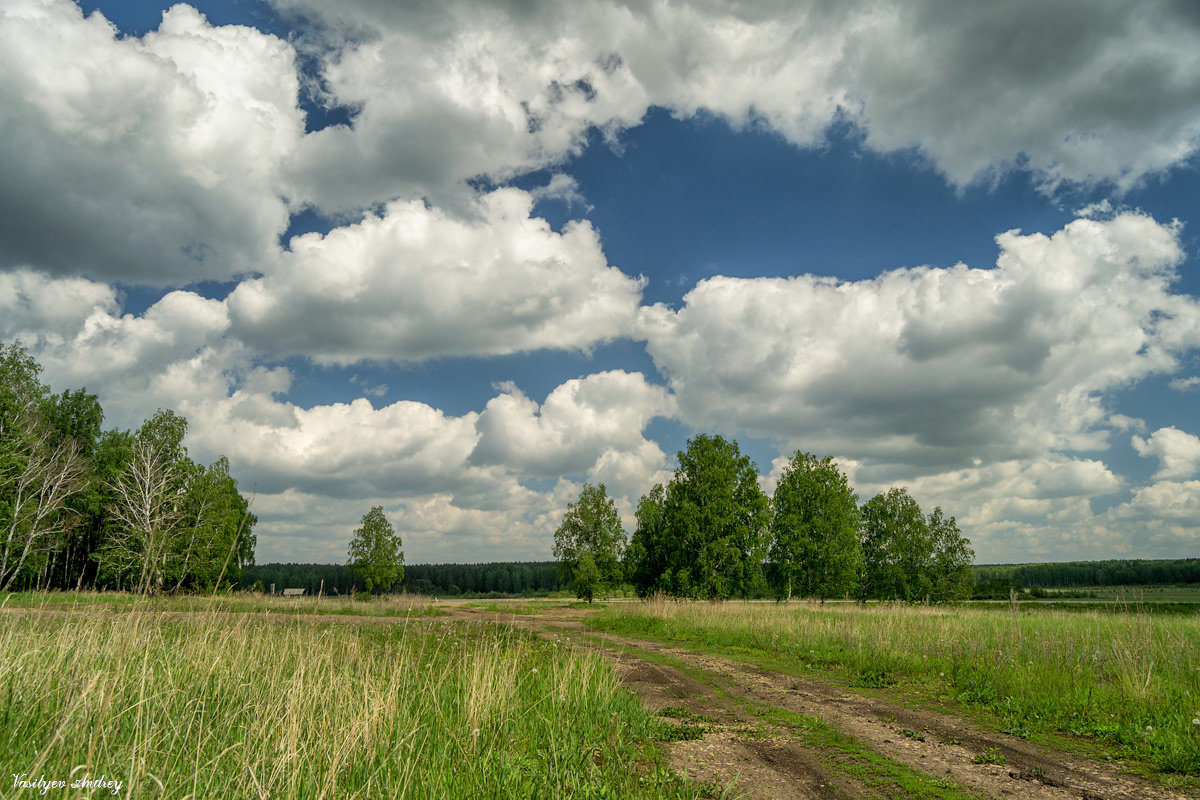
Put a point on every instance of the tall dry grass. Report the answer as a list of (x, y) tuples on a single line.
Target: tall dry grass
[(217, 705)]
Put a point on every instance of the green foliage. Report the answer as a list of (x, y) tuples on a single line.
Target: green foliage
[(908, 556), (178, 525), (896, 548), (646, 556), (1091, 573), (218, 526), (589, 543), (82, 507), (528, 578), (990, 755), (815, 551), (586, 579), (41, 471), (708, 532), (375, 554), (950, 565)]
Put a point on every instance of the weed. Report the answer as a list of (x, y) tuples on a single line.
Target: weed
[(684, 715), (878, 679), (991, 755)]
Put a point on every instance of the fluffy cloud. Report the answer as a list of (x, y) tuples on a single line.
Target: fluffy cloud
[(178, 148), (152, 160), (1015, 490), (416, 283), (1178, 453), (584, 425), (178, 156), (466, 88), (42, 311), (448, 500), (76, 330), (1072, 92), (297, 526), (925, 370)]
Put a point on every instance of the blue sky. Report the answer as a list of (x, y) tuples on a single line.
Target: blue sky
[(456, 259)]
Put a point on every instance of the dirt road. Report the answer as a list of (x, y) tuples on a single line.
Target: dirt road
[(776, 737)]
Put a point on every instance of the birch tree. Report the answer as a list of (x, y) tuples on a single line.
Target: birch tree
[(589, 543), (815, 549), (39, 471), (149, 494)]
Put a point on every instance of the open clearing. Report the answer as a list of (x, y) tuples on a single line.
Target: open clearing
[(760, 733)]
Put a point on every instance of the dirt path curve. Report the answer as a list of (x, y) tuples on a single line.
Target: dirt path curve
[(745, 745)]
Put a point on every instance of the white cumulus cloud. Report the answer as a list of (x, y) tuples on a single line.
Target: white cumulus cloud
[(1072, 92), (153, 160), (929, 369), (416, 283), (1178, 453)]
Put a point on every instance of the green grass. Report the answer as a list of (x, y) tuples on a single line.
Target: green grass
[(1131, 681), (229, 603), (242, 706), (1136, 594)]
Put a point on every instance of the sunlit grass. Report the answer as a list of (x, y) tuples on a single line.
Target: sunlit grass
[(1132, 680), (242, 706)]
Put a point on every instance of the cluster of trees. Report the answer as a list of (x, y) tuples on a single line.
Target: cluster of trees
[(712, 532), (84, 507)]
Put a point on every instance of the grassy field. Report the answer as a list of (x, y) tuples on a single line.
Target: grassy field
[(1164, 599), (1130, 680), (215, 705), (246, 696), (236, 603)]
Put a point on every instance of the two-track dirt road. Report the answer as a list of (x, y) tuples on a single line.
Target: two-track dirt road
[(776, 737)]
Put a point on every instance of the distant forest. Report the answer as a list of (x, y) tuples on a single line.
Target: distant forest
[(529, 578), (534, 578), (1088, 573)]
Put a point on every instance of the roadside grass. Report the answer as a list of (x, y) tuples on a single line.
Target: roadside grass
[(1131, 681), (213, 705)]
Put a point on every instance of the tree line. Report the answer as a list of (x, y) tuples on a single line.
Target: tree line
[(449, 580), (711, 532), (1087, 573), (83, 507)]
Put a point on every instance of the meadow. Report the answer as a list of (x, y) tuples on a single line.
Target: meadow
[(1128, 681), (221, 705), (249, 696)]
